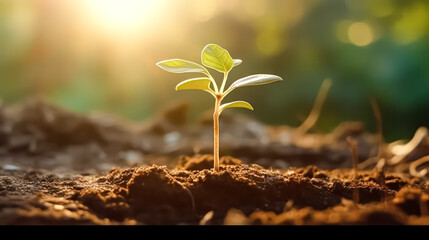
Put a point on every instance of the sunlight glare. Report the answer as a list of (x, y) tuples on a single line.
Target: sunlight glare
[(122, 16)]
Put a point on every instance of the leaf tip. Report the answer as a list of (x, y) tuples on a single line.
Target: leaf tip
[(277, 78), (160, 64), (237, 62)]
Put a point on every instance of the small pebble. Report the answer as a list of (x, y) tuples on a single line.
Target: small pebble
[(10, 167), (172, 137)]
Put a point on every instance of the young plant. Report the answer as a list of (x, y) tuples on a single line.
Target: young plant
[(217, 58)]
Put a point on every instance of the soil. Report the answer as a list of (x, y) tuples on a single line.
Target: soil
[(59, 167)]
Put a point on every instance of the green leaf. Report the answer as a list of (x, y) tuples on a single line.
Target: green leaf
[(236, 104), (195, 83), (181, 66), (252, 80), (237, 62), (217, 58)]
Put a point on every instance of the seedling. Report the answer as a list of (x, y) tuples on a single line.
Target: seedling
[(217, 58)]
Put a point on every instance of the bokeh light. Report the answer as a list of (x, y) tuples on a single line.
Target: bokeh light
[(360, 34), (412, 24)]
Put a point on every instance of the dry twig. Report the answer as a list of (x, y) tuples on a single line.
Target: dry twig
[(317, 107), (353, 148), (418, 163), (402, 150)]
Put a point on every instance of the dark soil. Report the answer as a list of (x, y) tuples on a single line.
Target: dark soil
[(58, 167)]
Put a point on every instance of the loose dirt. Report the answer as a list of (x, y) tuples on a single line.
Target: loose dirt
[(59, 167)]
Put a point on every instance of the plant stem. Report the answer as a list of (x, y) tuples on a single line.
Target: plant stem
[(216, 133), (225, 76)]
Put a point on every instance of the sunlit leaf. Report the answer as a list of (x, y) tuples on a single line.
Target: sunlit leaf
[(237, 62), (217, 58), (257, 79), (180, 66), (195, 83), (236, 104)]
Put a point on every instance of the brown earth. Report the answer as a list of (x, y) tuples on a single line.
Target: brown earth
[(58, 167)]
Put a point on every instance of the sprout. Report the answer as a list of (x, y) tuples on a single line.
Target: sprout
[(217, 58)]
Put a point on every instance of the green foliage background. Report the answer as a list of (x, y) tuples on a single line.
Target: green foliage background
[(48, 48)]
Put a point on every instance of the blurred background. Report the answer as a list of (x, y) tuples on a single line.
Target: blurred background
[(100, 55)]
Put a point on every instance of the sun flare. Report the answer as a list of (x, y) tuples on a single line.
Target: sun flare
[(122, 16)]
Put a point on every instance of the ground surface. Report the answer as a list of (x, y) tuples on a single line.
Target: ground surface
[(58, 167)]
